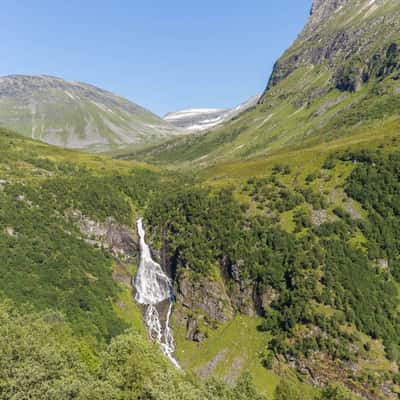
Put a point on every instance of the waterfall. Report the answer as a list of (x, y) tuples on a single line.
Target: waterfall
[(153, 287)]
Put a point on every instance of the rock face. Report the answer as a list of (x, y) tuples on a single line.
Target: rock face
[(242, 292), (120, 240), (342, 35), (204, 302), (75, 115), (204, 295), (322, 9)]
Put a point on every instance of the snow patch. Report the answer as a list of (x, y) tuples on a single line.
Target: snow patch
[(69, 95)]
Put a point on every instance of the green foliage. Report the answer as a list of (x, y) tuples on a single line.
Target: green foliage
[(199, 226), (287, 391), (322, 285), (281, 169), (44, 265), (40, 359), (376, 184), (332, 392), (330, 162), (271, 195)]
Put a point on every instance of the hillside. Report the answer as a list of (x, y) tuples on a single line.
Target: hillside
[(76, 115), (273, 241), (292, 276), (70, 326), (338, 79)]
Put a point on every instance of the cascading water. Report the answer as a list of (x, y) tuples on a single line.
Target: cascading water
[(153, 287)]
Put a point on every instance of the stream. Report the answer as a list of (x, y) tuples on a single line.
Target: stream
[(153, 287)]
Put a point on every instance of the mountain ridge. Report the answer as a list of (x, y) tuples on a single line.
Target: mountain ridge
[(76, 114)]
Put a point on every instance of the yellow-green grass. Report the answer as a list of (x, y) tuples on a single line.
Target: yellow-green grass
[(124, 305), (286, 220), (304, 161), (237, 345), (97, 163)]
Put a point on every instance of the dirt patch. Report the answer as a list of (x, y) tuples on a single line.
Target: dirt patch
[(235, 370), (206, 370)]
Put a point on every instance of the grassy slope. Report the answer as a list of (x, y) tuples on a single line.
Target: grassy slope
[(77, 115), (305, 160), (232, 349)]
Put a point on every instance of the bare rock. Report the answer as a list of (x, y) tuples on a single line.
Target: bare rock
[(318, 217), (207, 369), (204, 295), (241, 290), (10, 231), (119, 239), (193, 331), (201, 299), (269, 295), (382, 263)]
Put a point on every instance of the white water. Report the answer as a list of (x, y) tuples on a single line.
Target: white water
[(152, 287)]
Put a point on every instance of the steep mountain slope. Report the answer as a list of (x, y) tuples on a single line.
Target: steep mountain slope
[(338, 78), (197, 120), (76, 115)]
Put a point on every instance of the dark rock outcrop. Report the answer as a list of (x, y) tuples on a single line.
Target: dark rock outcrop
[(242, 291), (207, 301), (203, 295), (202, 304)]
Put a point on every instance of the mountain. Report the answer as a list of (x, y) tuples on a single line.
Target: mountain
[(202, 119), (267, 274), (340, 77), (76, 115)]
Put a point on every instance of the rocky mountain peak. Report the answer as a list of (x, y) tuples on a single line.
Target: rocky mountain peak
[(343, 37), (322, 9)]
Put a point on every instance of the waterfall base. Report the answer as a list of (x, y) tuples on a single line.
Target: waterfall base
[(152, 288)]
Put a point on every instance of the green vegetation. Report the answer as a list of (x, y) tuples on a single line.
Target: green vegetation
[(335, 301), (330, 289), (64, 332), (45, 261), (297, 213), (41, 359), (238, 342)]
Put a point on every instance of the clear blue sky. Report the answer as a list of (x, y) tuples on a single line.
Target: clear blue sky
[(162, 54)]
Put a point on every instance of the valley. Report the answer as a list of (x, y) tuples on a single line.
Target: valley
[(214, 254)]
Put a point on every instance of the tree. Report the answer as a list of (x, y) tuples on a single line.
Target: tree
[(287, 391)]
